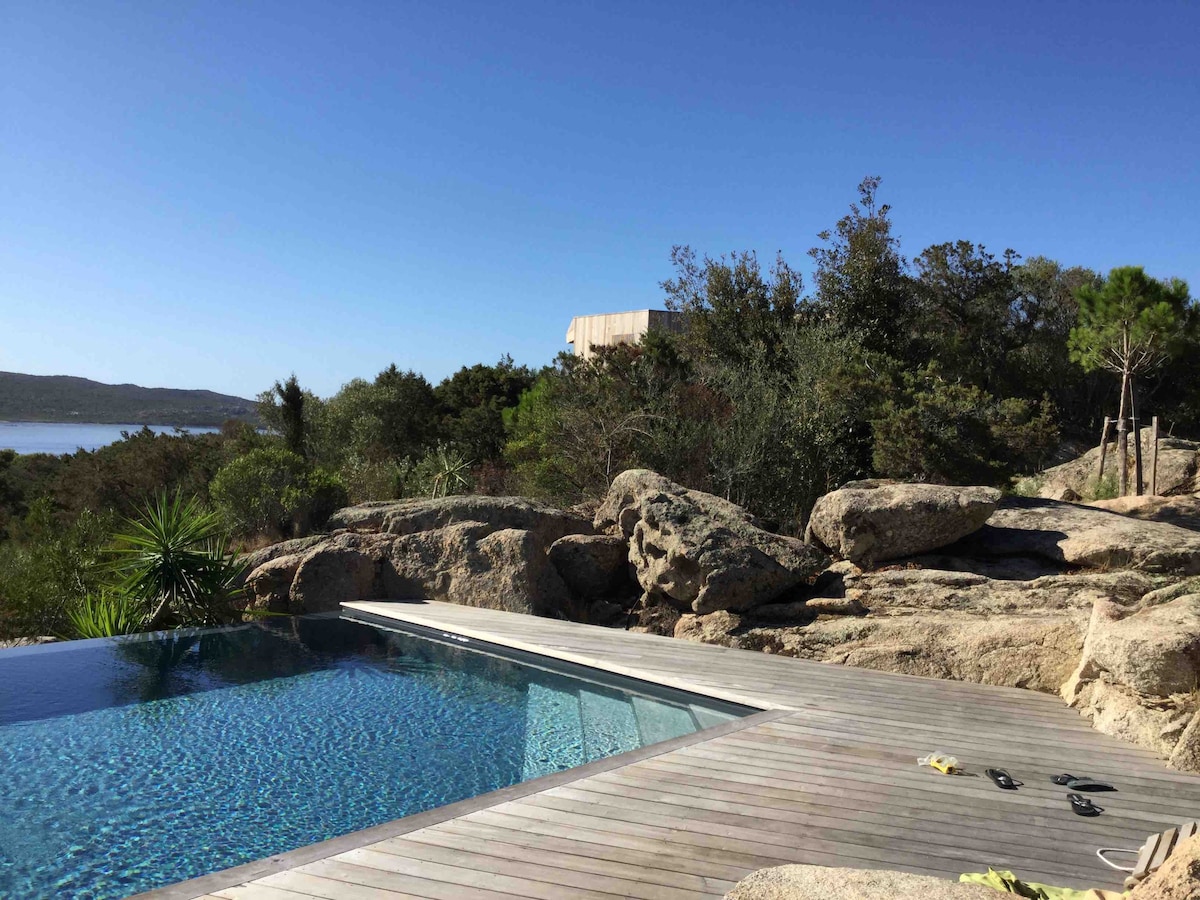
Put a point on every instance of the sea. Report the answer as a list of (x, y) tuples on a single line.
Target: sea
[(67, 437)]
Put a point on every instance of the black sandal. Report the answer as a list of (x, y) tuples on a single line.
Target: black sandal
[(1082, 806), (1082, 783), (1003, 780)]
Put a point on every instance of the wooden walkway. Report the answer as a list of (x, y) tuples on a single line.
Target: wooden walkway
[(827, 774)]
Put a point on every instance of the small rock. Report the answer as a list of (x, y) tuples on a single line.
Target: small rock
[(836, 606)]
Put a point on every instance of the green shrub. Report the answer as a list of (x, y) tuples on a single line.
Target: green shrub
[(1106, 488), (439, 473), (47, 569), (954, 433), (274, 492), (106, 614)]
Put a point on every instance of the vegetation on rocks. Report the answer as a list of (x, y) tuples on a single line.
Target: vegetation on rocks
[(955, 365)]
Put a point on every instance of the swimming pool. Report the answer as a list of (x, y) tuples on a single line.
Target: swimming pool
[(131, 763)]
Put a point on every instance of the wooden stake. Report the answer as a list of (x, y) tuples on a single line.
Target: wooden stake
[(1103, 450), (1154, 456), (1137, 441), (1123, 438), (1123, 455)]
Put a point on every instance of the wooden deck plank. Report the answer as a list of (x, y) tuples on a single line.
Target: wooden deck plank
[(654, 867), (834, 782), (537, 864)]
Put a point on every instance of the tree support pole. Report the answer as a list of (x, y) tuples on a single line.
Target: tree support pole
[(1123, 438), (1137, 441), (1103, 450), (1154, 456)]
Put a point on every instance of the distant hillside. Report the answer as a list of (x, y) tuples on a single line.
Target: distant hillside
[(62, 398)]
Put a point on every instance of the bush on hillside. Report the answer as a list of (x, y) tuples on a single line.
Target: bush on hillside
[(274, 492)]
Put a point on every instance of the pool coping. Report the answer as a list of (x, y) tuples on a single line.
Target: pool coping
[(222, 879)]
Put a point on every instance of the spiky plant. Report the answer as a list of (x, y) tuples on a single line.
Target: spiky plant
[(176, 560), (106, 614)]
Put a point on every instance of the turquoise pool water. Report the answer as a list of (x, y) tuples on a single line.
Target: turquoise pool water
[(128, 764)]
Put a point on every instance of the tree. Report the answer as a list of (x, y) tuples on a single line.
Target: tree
[(1045, 312), (1130, 325), (732, 310), (291, 411), (472, 402), (862, 283), (969, 319), (949, 432)]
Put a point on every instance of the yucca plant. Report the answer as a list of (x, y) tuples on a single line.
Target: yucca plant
[(106, 614), (176, 559), (451, 471)]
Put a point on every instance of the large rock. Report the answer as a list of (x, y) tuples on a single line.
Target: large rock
[(1084, 536), (1177, 471), (698, 551), (270, 585), (832, 883), (256, 558), (1139, 674), (1183, 510), (1176, 879), (594, 566), (342, 568), (937, 623), (470, 563), (901, 591), (547, 523), (1034, 650), (868, 522), (474, 564)]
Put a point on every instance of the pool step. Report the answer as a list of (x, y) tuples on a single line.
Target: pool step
[(553, 732)]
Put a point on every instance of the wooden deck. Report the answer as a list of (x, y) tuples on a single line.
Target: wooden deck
[(827, 774)]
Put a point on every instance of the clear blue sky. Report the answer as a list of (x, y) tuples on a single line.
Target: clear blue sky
[(215, 194)]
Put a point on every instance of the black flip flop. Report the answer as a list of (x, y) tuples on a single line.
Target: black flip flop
[(1082, 783), (1082, 806), (1003, 780)]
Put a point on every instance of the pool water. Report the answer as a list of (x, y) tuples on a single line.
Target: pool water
[(128, 764)]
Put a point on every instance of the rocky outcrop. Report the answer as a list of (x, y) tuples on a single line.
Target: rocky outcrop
[(594, 566), (869, 522), (253, 560), (473, 564), (1084, 536), (1178, 472), (1183, 510), (342, 568), (269, 586), (1034, 650), (832, 883), (1138, 676), (897, 592), (697, 551), (426, 549), (410, 516)]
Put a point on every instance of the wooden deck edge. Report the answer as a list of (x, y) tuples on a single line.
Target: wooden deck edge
[(395, 609), (203, 885)]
